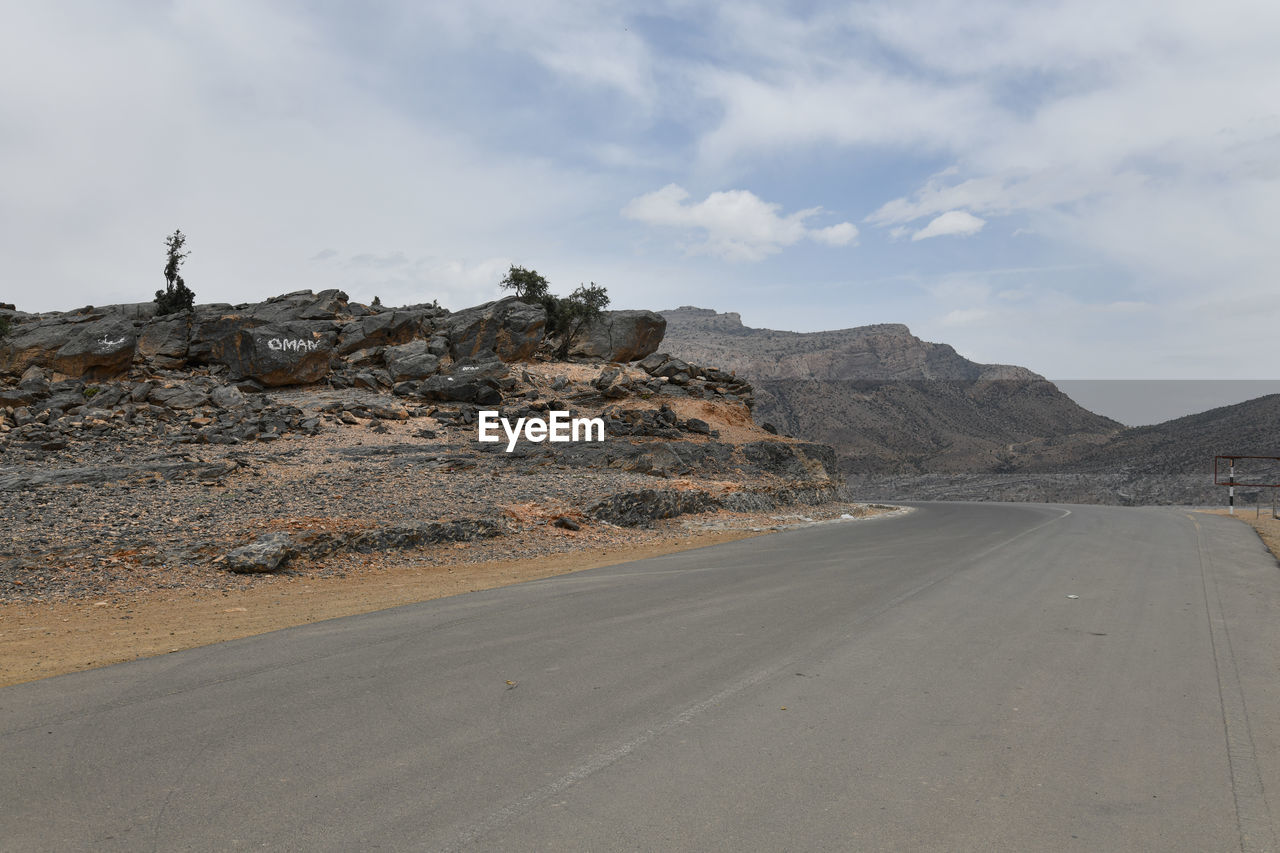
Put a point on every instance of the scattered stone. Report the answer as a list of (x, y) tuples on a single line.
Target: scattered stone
[(265, 555)]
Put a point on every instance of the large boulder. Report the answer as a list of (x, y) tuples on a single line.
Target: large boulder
[(470, 381), (410, 361), (387, 328), (98, 350), (509, 327), (276, 354), (211, 327), (34, 343), (621, 336)]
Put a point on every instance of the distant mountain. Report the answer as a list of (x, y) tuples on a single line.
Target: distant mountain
[(1169, 463), (1188, 444), (889, 402)]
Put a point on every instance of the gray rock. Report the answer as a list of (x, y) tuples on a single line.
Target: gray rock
[(293, 354), (621, 336), (300, 305), (470, 381), (12, 398), (799, 461), (35, 377), (34, 343), (99, 350), (642, 508), (508, 327), (697, 425), (265, 555), (165, 341), (227, 397), (410, 361), (185, 396), (606, 378), (387, 328), (650, 363)]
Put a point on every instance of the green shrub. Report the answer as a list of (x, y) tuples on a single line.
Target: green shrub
[(568, 315), (528, 285), (176, 296)]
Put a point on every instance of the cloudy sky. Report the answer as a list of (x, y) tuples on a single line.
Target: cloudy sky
[(1089, 189)]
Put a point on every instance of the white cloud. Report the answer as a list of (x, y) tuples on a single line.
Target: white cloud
[(952, 223), (1146, 143), (248, 129), (836, 235), (738, 225)]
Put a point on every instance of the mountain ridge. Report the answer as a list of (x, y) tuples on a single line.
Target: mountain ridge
[(888, 401)]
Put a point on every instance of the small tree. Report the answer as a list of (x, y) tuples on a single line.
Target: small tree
[(575, 312), (528, 285), (176, 296)]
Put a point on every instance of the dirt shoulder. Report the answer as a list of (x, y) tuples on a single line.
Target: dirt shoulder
[(41, 639)]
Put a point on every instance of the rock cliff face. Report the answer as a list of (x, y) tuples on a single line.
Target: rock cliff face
[(887, 401), (887, 351)]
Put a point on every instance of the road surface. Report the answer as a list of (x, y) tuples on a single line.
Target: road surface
[(965, 677)]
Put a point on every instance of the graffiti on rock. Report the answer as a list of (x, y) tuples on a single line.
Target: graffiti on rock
[(292, 344)]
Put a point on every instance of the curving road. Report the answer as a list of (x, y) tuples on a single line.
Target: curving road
[(914, 683)]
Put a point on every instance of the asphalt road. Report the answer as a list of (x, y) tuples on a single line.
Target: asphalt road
[(916, 683)]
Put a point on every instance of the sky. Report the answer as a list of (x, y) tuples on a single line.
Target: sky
[(1088, 189)]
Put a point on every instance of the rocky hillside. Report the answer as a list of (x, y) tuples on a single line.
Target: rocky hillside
[(250, 438), (888, 402), (915, 420)]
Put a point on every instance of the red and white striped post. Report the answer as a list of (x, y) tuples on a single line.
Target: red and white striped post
[(1231, 487)]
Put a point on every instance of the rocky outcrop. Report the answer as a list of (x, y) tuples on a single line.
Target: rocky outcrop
[(509, 328), (696, 380), (272, 551), (642, 508), (621, 336), (301, 338)]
